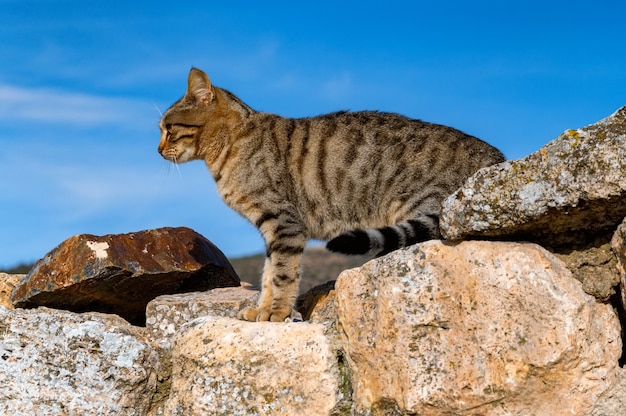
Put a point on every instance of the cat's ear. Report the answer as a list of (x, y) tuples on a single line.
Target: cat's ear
[(199, 88)]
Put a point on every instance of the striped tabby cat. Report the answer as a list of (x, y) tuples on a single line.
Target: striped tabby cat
[(369, 182)]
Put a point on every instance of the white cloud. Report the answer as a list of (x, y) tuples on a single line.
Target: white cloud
[(59, 106)]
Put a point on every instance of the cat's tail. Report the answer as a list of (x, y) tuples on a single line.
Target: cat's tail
[(380, 241)]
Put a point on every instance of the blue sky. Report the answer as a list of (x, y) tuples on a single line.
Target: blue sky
[(82, 84)]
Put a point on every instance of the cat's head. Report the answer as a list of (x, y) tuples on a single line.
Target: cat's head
[(182, 124)]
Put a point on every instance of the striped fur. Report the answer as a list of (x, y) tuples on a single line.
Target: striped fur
[(369, 182)]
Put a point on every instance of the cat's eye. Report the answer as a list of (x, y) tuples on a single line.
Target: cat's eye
[(181, 137), (175, 132)]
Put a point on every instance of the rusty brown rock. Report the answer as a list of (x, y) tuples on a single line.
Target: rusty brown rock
[(121, 273)]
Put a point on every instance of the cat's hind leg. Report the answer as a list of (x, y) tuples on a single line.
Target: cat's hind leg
[(380, 241)]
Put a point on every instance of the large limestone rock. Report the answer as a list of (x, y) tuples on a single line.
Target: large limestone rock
[(167, 314), (60, 363), (121, 273), (475, 328), (224, 366), (566, 194)]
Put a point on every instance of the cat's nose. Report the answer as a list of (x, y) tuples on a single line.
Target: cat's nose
[(161, 146)]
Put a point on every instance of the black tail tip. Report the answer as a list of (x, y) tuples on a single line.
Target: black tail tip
[(353, 242)]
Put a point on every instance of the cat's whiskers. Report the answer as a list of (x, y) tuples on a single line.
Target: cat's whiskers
[(169, 158), (176, 164)]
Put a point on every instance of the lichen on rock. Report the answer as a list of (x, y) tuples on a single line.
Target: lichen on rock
[(568, 193)]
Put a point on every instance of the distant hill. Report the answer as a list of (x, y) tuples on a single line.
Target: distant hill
[(318, 266), (21, 268)]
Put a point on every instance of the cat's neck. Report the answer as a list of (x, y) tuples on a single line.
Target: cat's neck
[(227, 101), (226, 116)]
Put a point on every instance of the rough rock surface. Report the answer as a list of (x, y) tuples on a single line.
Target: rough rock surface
[(613, 401), (60, 363), (166, 315), (7, 284), (618, 244), (224, 366), (569, 192), (318, 304), (595, 268), (475, 328), (121, 273)]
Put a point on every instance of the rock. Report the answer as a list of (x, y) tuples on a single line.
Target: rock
[(567, 194), (312, 305), (59, 363), (595, 268), (224, 366), (613, 402), (167, 314), (7, 284), (475, 328), (318, 306), (618, 244), (121, 273)]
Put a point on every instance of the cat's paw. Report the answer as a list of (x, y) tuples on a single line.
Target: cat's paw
[(264, 314), (248, 314)]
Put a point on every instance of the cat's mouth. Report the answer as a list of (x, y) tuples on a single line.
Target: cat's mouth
[(170, 155), (178, 157)]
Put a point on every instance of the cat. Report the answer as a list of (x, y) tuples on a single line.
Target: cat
[(370, 182)]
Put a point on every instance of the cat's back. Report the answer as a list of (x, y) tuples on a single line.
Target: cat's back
[(393, 138)]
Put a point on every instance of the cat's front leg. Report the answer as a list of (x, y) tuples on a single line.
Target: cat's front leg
[(279, 288), (281, 273), (265, 300)]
